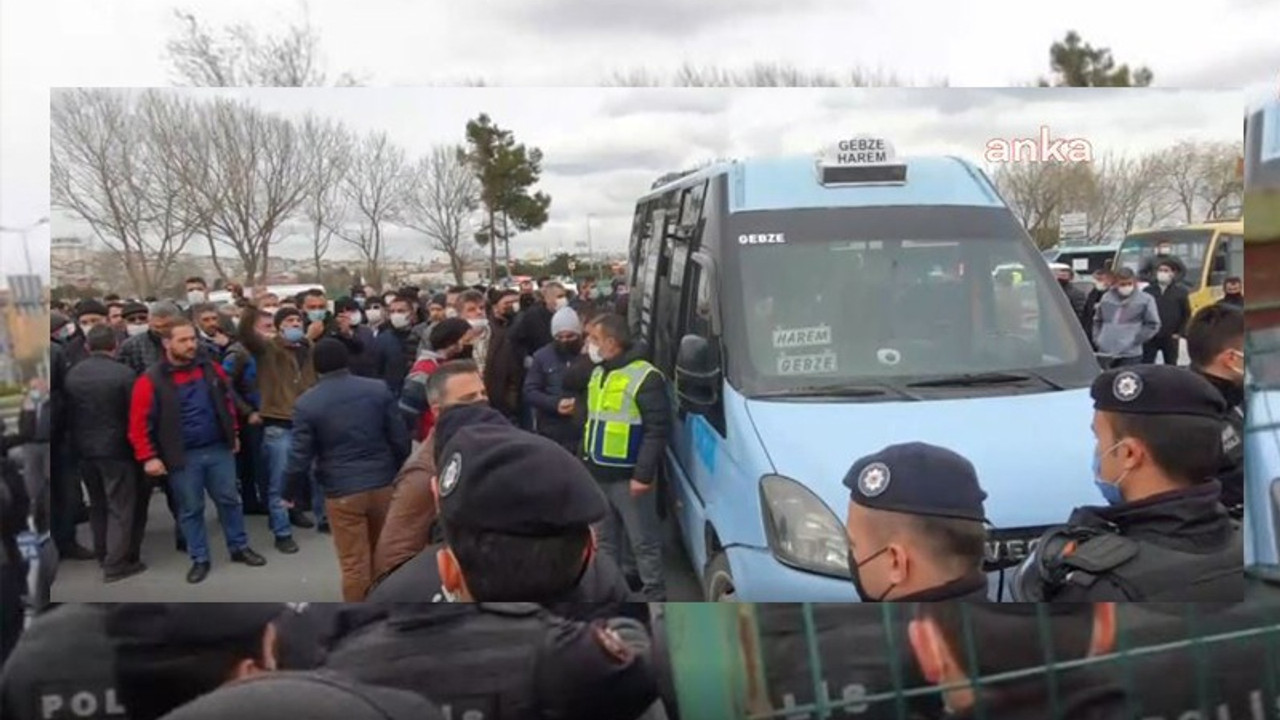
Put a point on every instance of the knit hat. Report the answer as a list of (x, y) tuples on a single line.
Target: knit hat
[(133, 308), (438, 299), (90, 307), (330, 355), (284, 313), (565, 320)]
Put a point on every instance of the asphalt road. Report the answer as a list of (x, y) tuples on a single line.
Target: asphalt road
[(311, 575)]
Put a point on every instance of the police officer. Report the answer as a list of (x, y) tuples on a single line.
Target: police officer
[(310, 695), (958, 642), (168, 654), (63, 668), (1164, 534), (516, 510), (915, 526), (506, 661), (1215, 342)]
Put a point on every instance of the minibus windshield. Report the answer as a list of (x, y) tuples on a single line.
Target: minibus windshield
[(921, 299)]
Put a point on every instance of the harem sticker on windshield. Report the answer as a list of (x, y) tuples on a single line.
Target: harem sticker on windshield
[(801, 337), (813, 364)]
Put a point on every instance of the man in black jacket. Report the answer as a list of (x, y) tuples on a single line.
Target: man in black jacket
[(1215, 342), (98, 394), (1174, 305), (624, 384), (532, 328)]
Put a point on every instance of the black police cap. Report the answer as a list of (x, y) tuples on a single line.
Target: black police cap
[(918, 479), (1156, 390), (189, 624), (311, 695), (502, 479)]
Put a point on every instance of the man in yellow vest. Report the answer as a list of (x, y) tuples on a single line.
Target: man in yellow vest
[(628, 419)]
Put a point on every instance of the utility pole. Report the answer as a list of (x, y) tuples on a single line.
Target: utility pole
[(591, 255), (22, 233)]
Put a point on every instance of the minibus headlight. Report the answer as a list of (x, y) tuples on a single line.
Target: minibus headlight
[(802, 531)]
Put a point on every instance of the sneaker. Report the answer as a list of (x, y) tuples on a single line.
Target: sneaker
[(126, 571), (323, 528), (286, 545), (198, 572), (300, 519), (248, 557)]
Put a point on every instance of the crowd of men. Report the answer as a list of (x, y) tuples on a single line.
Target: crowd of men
[(335, 415)]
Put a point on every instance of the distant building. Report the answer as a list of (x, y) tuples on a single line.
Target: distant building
[(69, 260)]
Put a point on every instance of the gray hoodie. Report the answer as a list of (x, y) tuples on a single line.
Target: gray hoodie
[(1121, 325)]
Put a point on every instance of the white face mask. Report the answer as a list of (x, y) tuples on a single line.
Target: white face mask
[(195, 297), (1164, 278), (479, 323), (399, 321), (1099, 284), (562, 303), (132, 330), (450, 313), (375, 315), (85, 328), (1125, 291), (593, 352), (354, 318)]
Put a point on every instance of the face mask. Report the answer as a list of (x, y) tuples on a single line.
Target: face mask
[(132, 330), (1110, 490), (562, 303), (570, 347), (317, 315), (293, 334), (399, 321), (450, 313), (855, 572), (359, 301), (195, 297), (354, 318), (1125, 291), (85, 329), (593, 352), (36, 396), (479, 323), (1164, 278), (1099, 285), (67, 331), (375, 315)]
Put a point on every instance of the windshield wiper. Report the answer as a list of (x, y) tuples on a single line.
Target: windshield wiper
[(853, 391), (973, 379)]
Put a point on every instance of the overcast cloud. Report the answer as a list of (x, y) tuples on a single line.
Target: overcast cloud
[(598, 160), (1222, 43)]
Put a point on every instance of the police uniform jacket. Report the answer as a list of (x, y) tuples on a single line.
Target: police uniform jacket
[(972, 588), (1231, 470), (503, 661), (1080, 696), (602, 591), (38, 682), (1181, 545)]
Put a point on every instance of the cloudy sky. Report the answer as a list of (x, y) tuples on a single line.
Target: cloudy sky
[(1224, 43), (603, 147)]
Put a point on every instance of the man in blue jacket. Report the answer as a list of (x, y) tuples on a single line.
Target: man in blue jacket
[(351, 428), (544, 385)]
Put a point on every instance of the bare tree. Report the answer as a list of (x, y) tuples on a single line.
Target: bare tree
[(1040, 192), (111, 168), (1183, 168), (329, 151), (1132, 185), (1221, 187), (249, 174), (373, 189), (236, 56), (441, 197), (757, 75)]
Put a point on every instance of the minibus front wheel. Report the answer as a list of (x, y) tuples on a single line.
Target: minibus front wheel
[(718, 585)]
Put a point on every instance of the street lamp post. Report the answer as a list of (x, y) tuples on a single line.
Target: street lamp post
[(23, 232), (591, 255)]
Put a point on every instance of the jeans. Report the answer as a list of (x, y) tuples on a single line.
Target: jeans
[(634, 521), (275, 451), (211, 470)]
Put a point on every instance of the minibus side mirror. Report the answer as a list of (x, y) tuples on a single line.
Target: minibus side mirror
[(697, 375)]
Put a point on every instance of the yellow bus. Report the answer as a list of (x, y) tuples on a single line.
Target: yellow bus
[(1209, 252)]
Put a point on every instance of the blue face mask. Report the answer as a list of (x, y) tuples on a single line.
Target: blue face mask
[(316, 315), (1110, 491), (293, 334)]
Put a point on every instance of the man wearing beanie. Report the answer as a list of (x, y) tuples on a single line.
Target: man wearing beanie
[(351, 428), (503, 373), (285, 371), (447, 341), (544, 389), (89, 314)]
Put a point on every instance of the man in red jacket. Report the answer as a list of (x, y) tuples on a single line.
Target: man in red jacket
[(182, 423)]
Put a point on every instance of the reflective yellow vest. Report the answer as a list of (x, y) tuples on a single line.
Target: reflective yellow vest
[(614, 427)]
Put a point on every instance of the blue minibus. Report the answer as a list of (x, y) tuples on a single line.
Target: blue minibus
[(813, 310)]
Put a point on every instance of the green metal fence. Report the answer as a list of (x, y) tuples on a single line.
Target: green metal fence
[(1180, 661)]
